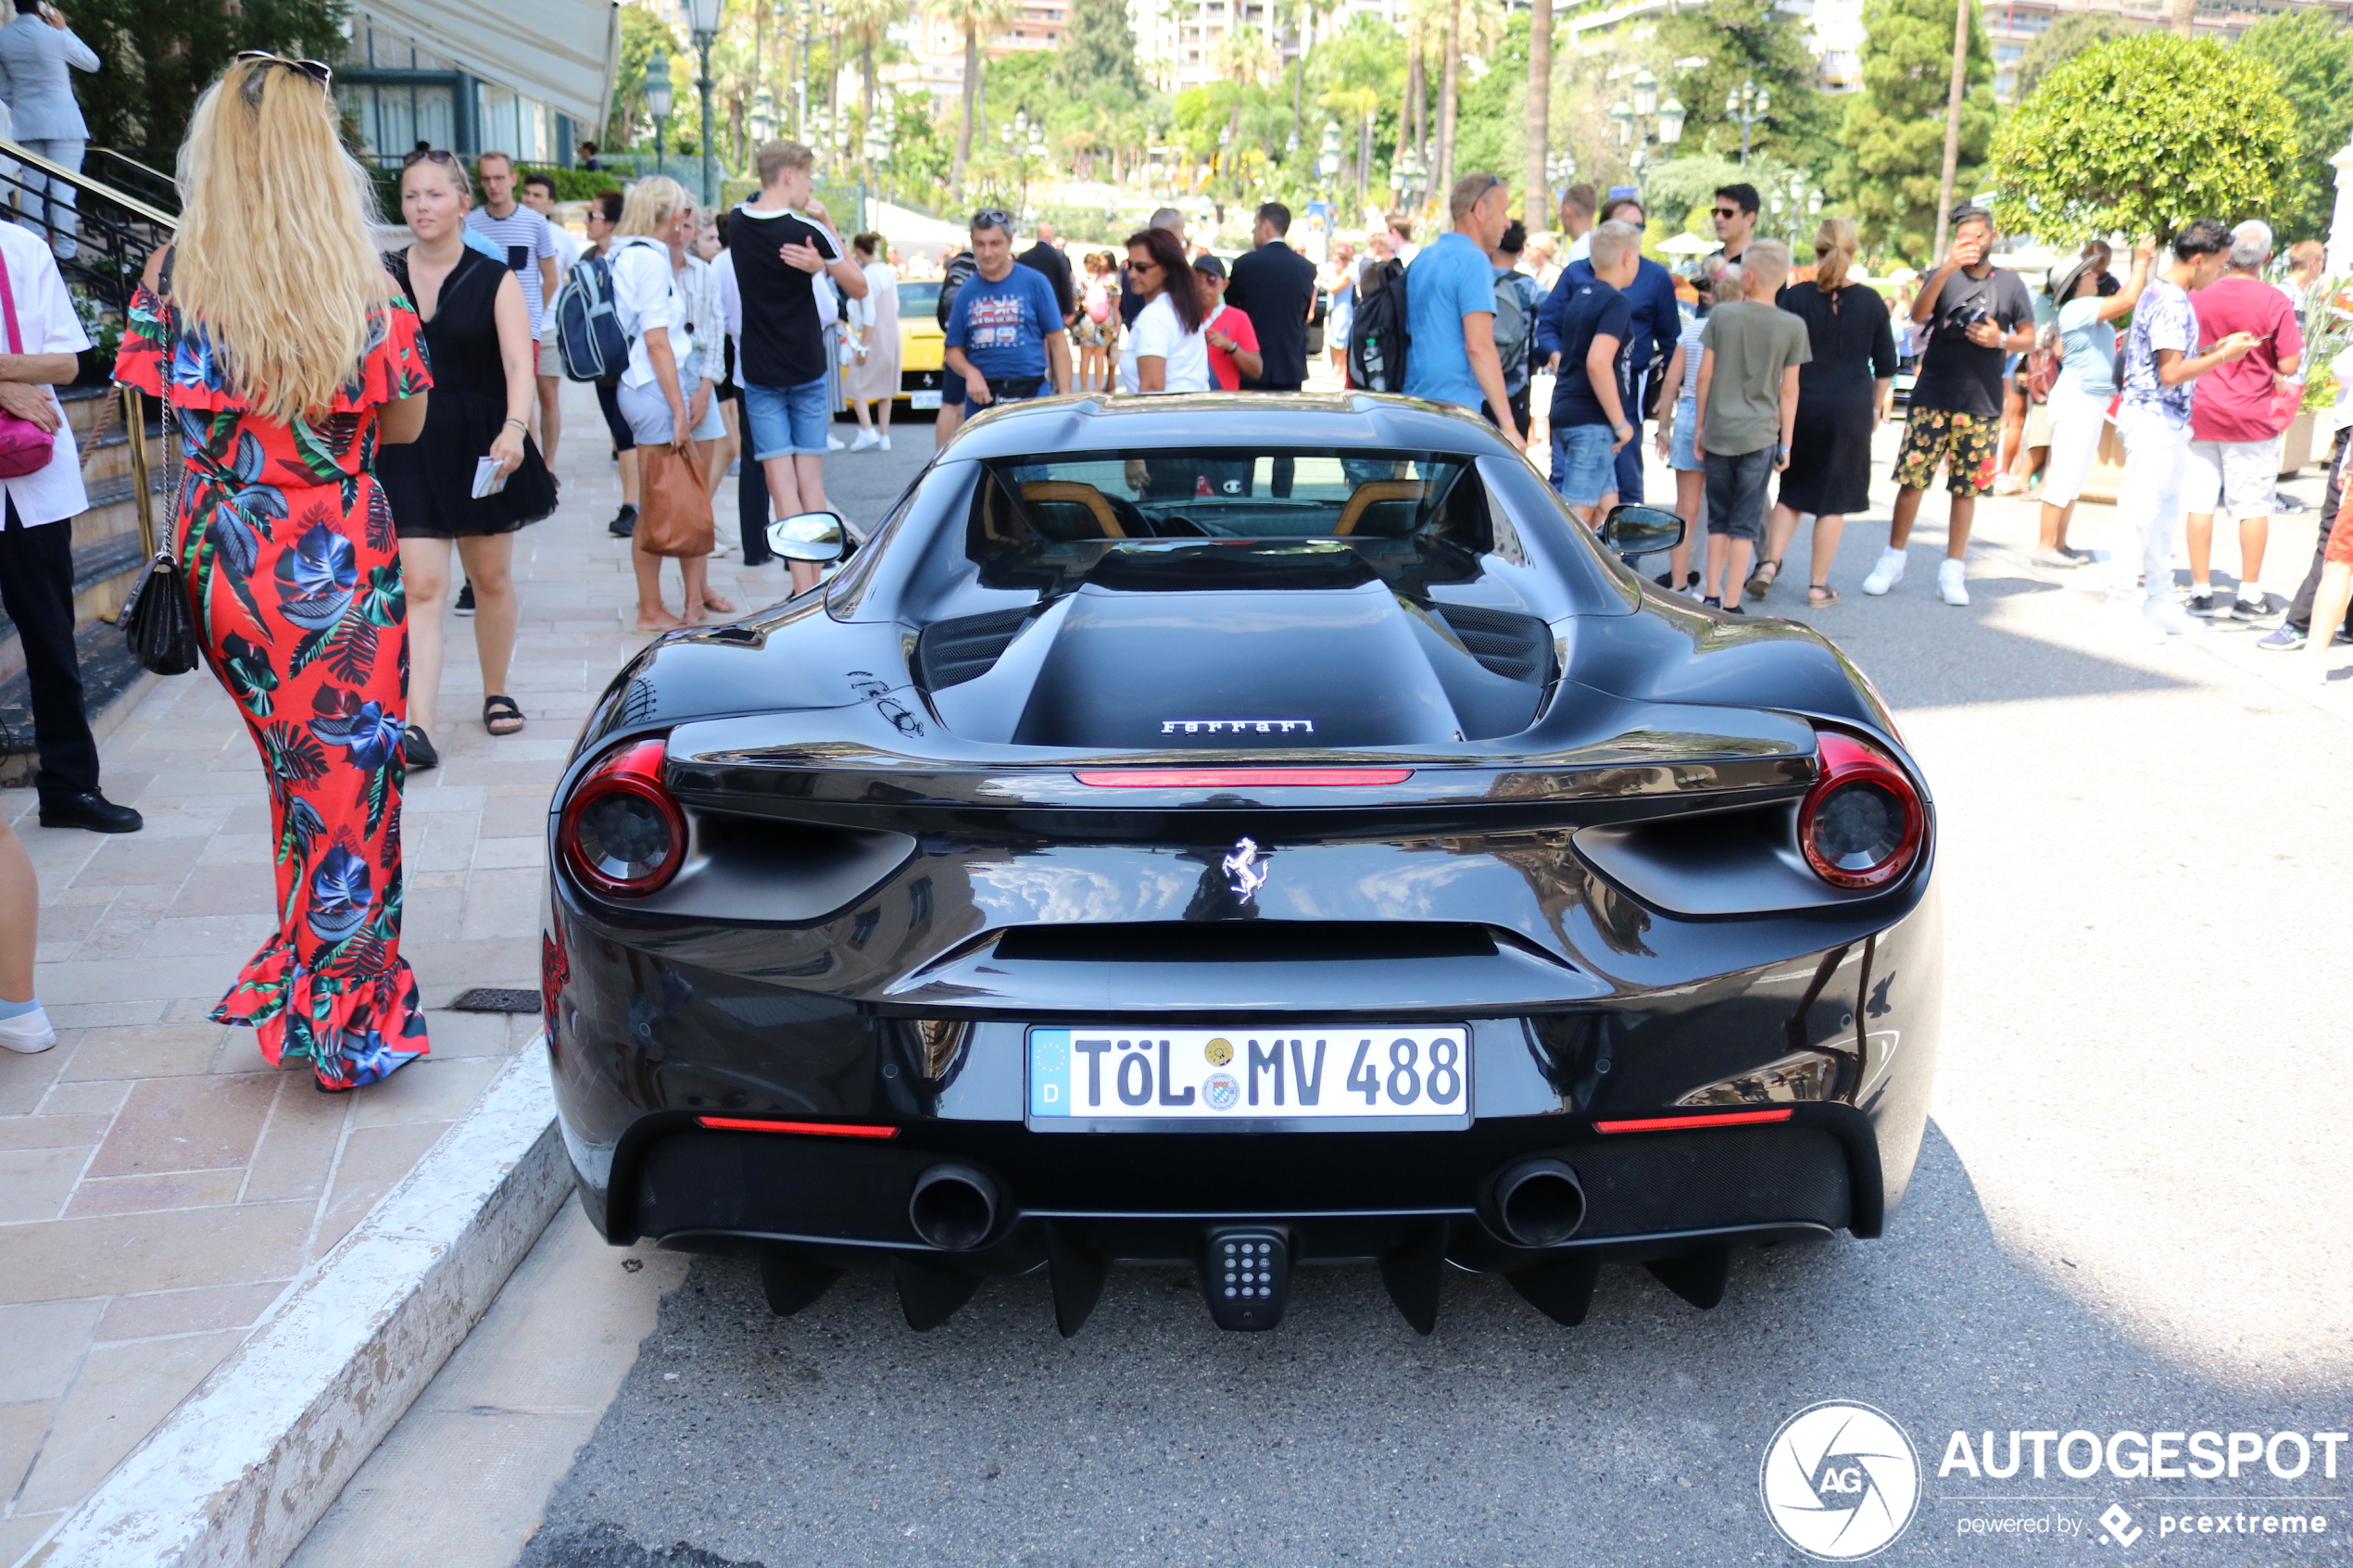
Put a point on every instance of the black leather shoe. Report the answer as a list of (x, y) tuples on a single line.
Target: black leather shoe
[(89, 809)]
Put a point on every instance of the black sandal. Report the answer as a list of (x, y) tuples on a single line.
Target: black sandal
[(1829, 594), (417, 747), (497, 710)]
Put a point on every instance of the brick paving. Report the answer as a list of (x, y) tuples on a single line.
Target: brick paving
[(161, 1185)]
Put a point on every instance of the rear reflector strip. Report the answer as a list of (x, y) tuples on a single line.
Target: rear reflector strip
[(1677, 1123), (1237, 778), (821, 1129)]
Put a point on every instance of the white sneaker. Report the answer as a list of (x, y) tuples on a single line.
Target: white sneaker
[(866, 439), (884, 443), (835, 444), (28, 1033), (1952, 584), (2129, 626), (2173, 620), (1886, 574)]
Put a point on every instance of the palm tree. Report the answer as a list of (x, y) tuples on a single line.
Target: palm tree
[(1448, 83), (1539, 105), (972, 18), (1425, 22), (1244, 57), (865, 24)]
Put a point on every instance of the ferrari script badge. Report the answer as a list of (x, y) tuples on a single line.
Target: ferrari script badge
[(1244, 871)]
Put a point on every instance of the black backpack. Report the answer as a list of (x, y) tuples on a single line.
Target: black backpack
[(960, 268), (1378, 340)]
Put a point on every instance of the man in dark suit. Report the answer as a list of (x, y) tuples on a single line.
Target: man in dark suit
[(1046, 258), (1275, 286)]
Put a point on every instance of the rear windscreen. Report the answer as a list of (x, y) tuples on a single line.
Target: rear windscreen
[(1064, 514)]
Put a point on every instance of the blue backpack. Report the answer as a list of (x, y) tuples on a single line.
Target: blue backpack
[(589, 339)]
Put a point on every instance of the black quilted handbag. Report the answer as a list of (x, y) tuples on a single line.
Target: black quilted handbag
[(157, 621)]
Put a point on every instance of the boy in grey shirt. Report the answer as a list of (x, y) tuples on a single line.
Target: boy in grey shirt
[(1749, 356)]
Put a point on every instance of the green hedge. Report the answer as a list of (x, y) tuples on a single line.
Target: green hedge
[(574, 184)]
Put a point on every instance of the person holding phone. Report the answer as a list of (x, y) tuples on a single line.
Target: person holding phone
[(477, 332), (39, 55)]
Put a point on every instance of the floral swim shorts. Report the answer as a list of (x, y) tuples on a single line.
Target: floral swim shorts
[(1962, 444)]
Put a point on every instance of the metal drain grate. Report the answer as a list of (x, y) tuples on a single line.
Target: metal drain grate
[(491, 998)]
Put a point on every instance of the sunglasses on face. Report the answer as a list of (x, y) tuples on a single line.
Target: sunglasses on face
[(315, 69), (1727, 212)]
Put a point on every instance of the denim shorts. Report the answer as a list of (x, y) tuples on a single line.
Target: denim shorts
[(646, 411), (787, 421), (1682, 453), (1587, 460)]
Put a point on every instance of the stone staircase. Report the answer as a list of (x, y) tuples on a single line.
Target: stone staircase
[(108, 557)]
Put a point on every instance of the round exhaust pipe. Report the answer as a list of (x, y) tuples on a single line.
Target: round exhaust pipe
[(953, 1208), (1539, 1203)]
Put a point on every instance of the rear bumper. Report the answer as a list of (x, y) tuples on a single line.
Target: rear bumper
[(1339, 1197)]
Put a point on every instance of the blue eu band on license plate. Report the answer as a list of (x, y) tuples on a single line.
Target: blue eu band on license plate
[(1126, 1074)]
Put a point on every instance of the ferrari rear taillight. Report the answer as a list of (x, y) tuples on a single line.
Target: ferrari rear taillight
[(1862, 823), (622, 834)]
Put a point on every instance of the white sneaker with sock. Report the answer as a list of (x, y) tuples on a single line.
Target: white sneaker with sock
[(28, 1033), (2173, 620), (866, 438), (1952, 582), (1886, 574)]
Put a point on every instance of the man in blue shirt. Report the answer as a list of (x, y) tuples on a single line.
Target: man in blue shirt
[(1005, 333), (1449, 307), (1657, 323)]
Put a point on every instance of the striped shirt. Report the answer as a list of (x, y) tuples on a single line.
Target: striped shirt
[(523, 237)]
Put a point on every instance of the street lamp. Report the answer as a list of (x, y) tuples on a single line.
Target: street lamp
[(1328, 157), (764, 116), (702, 20), (1747, 106), (1646, 93), (1621, 123), (658, 100)]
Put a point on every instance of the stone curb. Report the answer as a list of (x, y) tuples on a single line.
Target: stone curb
[(239, 1473)]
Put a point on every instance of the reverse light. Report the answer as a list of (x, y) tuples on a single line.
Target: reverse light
[(1801, 1076), (818, 1129), (622, 833), (1862, 823), (1237, 778)]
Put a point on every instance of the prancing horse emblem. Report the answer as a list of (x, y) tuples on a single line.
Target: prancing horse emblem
[(1244, 873)]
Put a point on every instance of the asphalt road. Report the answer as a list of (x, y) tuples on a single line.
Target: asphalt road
[(2130, 1216)]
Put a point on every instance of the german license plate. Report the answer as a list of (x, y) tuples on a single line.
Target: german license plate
[(923, 399), (1389, 1072)]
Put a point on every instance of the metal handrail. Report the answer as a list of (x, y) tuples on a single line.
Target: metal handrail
[(82, 181), (154, 179)]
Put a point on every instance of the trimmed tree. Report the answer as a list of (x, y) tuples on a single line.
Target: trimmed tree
[(2141, 135), (2313, 60), (2069, 34)]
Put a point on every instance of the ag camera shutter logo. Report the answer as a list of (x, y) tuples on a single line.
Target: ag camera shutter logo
[(1839, 1481)]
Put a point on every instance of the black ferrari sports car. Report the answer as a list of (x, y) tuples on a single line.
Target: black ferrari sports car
[(1244, 832)]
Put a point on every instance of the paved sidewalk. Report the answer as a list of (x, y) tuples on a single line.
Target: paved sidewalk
[(160, 1183)]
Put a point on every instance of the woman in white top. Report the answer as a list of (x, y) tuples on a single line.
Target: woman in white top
[(2079, 399), (698, 282), (1165, 349), (657, 220), (872, 382)]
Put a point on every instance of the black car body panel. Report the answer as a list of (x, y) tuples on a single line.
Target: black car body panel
[(955, 796)]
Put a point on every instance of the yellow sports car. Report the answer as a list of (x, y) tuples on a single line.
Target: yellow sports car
[(921, 343)]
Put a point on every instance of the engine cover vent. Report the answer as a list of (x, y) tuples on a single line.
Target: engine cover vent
[(1517, 646), (951, 652)]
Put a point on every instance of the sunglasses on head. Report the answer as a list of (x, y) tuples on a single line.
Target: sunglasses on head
[(428, 154), (315, 69), (993, 217)]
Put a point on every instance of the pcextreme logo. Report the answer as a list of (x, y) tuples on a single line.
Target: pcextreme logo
[(1839, 1481)]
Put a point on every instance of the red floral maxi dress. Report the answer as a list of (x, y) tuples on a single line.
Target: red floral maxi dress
[(294, 575)]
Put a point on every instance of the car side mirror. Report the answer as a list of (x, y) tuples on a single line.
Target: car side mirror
[(1631, 532), (811, 537)]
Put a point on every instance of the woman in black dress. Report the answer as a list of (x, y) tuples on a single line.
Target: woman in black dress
[(1842, 395), (477, 332)]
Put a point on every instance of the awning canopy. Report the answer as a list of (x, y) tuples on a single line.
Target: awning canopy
[(562, 52)]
